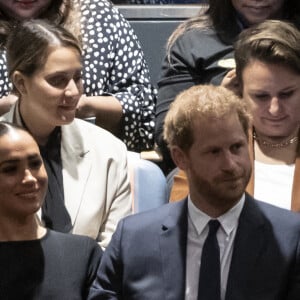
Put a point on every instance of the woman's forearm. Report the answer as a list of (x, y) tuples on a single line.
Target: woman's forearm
[(106, 109)]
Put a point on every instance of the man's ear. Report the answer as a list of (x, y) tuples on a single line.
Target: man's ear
[(18, 80), (179, 157)]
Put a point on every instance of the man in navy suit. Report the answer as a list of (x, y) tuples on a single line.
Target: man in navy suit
[(156, 255)]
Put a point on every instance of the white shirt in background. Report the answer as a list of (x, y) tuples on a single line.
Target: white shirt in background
[(273, 183)]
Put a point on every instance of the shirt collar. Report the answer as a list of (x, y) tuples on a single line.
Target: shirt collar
[(228, 221)]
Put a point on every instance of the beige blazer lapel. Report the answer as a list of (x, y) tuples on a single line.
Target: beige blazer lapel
[(77, 163)]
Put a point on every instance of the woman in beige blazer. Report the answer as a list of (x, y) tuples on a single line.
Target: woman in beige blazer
[(87, 168)]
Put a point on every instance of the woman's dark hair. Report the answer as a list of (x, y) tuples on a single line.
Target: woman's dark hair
[(30, 42), (221, 15)]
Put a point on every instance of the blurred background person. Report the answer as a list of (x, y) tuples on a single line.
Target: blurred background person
[(36, 263), (88, 189), (200, 50), (117, 89)]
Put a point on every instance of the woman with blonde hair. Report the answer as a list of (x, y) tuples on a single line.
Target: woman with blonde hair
[(88, 191)]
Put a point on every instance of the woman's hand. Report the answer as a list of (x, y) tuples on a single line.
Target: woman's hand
[(106, 109), (230, 82), (6, 102), (85, 107)]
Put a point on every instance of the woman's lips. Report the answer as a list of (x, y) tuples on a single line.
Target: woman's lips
[(277, 120), (26, 1), (26, 4), (28, 194), (258, 9)]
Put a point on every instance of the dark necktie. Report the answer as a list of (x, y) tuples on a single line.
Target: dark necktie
[(209, 277)]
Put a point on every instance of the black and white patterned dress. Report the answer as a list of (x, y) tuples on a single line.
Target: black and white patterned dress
[(114, 64)]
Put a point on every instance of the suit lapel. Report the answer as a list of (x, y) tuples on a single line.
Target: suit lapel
[(173, 239), (248, 244), (77, 162)]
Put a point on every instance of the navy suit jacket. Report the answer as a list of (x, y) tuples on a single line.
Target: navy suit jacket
[(146, 258)]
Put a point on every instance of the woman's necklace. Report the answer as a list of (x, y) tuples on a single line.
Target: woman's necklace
[(275, 145)]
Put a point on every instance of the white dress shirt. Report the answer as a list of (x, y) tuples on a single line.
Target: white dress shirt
[(274, 183), (197, 233)]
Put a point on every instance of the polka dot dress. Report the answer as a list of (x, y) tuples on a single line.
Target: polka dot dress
[(113, 65)]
